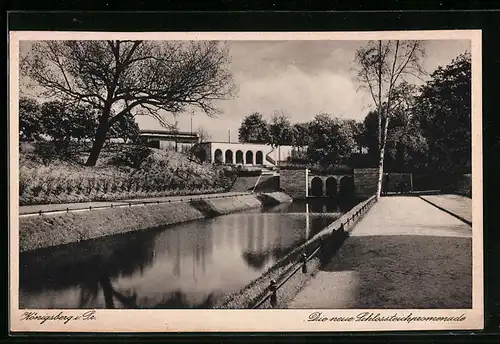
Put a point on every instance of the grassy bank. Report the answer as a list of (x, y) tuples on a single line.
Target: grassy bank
[(52, 230), (123, 172)]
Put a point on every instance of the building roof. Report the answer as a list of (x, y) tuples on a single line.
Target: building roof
[(168, 133), (181, 137)]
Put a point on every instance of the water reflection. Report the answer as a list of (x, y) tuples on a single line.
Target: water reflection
[(189, 265)]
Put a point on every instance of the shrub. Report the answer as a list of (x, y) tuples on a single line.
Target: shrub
[(159, 173)]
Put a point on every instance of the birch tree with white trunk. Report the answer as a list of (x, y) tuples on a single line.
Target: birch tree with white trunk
[(385, 69)]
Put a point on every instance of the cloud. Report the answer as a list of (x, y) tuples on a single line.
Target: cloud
[(300, 95), (302, 78)]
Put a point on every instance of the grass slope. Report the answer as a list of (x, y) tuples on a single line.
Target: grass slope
[(123, 171)]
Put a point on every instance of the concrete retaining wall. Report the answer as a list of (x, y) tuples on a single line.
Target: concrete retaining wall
[(293, 182), (59, 229), (365, 181)]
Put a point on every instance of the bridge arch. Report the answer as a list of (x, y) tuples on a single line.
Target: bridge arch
[(259, 158), (346, 187), (249, 157), (331, 187), (229, 156), (239, 157), (218, 156), (316, 187)]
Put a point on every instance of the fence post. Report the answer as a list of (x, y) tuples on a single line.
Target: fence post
[(342, 227), (39, 212), (303, 258), (321, 247), (272, 287)]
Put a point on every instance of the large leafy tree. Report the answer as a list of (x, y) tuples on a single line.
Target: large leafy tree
[(382, 68), (254, 129), (126, 129), (30, 126), (120, 77), (62, 123), (444, 111), (406, 145), (369, 136), (280, 130), (300, 135), (332, 140)]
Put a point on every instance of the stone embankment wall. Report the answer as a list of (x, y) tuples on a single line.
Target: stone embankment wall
[(59, 229), (332, 236), (293, 182), (365, 181)]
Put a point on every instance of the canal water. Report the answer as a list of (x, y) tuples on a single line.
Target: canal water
[(189, 265)]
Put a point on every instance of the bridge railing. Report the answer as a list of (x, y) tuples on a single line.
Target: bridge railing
[(348, 219)]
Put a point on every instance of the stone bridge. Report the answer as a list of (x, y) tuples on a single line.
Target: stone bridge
[(362, 183), (330, 185)]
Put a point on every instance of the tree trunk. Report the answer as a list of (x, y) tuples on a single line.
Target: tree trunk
[(100, 137), (381, 159), (379, 115), (107, 290)]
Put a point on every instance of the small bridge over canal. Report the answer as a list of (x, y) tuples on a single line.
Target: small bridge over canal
[(361, 183), (330, 185)]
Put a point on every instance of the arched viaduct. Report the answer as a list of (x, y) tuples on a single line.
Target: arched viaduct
[(330, 185), (243, 153)]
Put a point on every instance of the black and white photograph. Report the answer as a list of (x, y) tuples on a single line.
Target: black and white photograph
[(330, 179)]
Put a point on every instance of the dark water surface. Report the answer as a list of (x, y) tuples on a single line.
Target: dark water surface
[(189, 265)]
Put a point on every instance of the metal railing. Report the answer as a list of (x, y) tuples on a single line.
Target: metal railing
[(348, 219), (131, 203)]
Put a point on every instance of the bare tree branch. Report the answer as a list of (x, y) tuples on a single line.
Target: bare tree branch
[(159, 79)]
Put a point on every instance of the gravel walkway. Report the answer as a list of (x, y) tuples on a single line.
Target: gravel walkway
[(405, 253), (460, 206)]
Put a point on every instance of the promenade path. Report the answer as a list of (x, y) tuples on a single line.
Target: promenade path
[(460, 206), (28, 209), (405, 253)]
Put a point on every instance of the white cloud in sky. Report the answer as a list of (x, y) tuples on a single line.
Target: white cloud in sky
[(302, 78)]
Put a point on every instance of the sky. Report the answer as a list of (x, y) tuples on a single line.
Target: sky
[(299, 78)]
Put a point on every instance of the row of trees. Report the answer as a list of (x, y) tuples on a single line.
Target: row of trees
[(425, 128), (431, 124), (55, 120), (329, 140)]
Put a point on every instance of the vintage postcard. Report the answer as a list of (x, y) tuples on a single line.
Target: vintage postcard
[(245, 181)]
